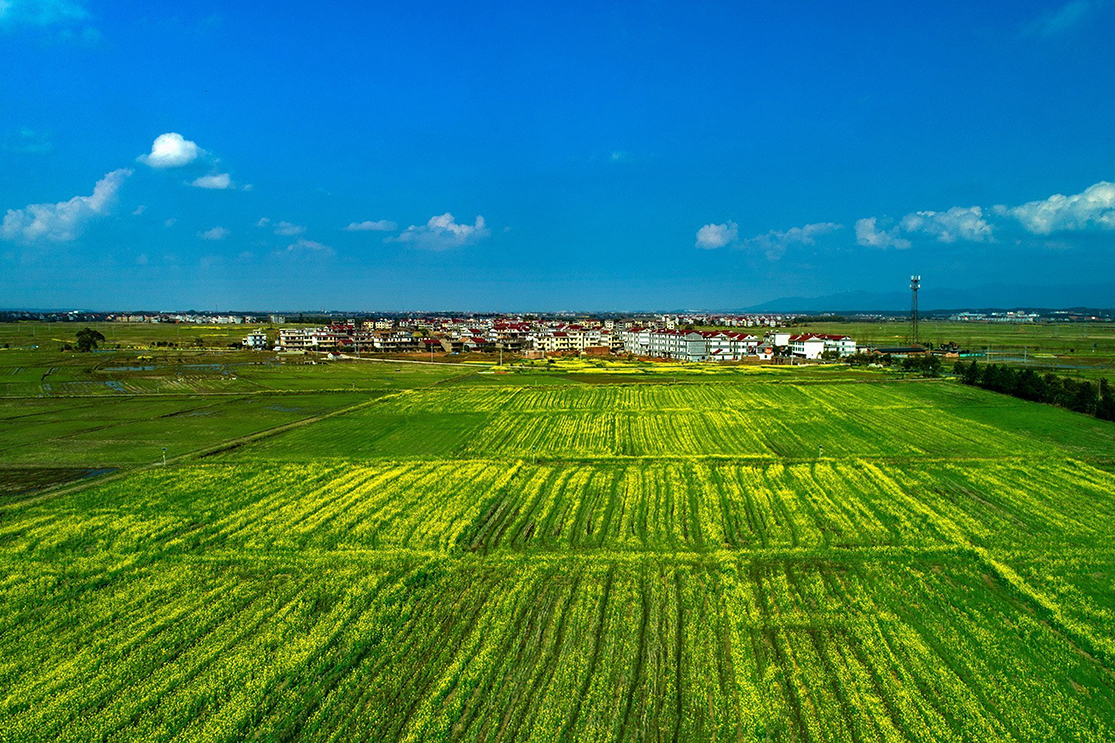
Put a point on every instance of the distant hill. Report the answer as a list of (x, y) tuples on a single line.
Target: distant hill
[(991, 296)]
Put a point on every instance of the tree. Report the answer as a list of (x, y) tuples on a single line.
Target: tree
[(87, 339), (1030, 386), (926, 365), (1084, 399), (1106, 408), (972, 374)]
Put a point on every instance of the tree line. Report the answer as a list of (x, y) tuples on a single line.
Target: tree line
[(1079, 395)]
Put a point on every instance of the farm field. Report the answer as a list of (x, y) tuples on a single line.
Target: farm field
[(457, 555), (1073, 349)]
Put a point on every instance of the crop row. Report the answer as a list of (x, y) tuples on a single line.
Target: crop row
[(380, 431), (707, 397), (457, 507), (505, 648)]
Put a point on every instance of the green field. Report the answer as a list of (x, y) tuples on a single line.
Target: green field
[(575, 552), (1073, 349)]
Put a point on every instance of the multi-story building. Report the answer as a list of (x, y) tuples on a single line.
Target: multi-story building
[(813, 346), (683, 345), (256, 340), (385, 341), (308, 339), (730, 345), (567, 338)]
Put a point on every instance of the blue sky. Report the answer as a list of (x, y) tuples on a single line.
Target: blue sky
[(572, 155)]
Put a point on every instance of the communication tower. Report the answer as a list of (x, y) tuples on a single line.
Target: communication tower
[(915, 284)]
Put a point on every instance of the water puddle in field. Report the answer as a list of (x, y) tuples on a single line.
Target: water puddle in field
[(128, 368), (22, 481)]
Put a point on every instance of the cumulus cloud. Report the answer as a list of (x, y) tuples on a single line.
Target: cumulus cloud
[(1094, 207), (64, 221), (713, 236), (214, 182), (283, 228), (27, 141), (302, 245), (171, 150), (41, 12), (1071, 15), (217, 233), (870, 236), (958, 223), (444, 233), (380, 225), (286, 229), (775, 242)]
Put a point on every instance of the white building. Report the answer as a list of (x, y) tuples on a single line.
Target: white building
[(256, 340), (730, 346), (781, 338), (307, 339), (678, 344), (813, 345), (566, 338)]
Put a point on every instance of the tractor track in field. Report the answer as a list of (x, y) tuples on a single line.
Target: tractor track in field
[(223, 446), (601, 620)]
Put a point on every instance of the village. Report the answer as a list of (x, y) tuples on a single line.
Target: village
[(665, 337)]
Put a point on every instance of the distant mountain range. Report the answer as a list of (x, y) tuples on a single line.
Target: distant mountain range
[(990, 296)]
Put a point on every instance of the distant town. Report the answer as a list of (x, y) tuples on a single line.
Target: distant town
[(690, 337)]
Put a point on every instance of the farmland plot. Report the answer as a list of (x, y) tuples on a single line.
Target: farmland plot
[(765, 421), (753, 561)]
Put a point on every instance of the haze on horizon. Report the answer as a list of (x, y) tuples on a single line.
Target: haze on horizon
[(548, 156)]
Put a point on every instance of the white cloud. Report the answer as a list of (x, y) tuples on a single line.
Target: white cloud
[(41, 12), (870, 236), (64, 221), (381, 225), (171, 222), (775, 242), (214, 182), (139, 210), (713, 236), (171, 150), (286, 229), (1094, 207), (444, 233), (27, 141), (958, 223), (217, 233), (1065, 18), (302, 245)]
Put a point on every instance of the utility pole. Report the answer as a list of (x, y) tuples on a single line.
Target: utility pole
[(915, 284)]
